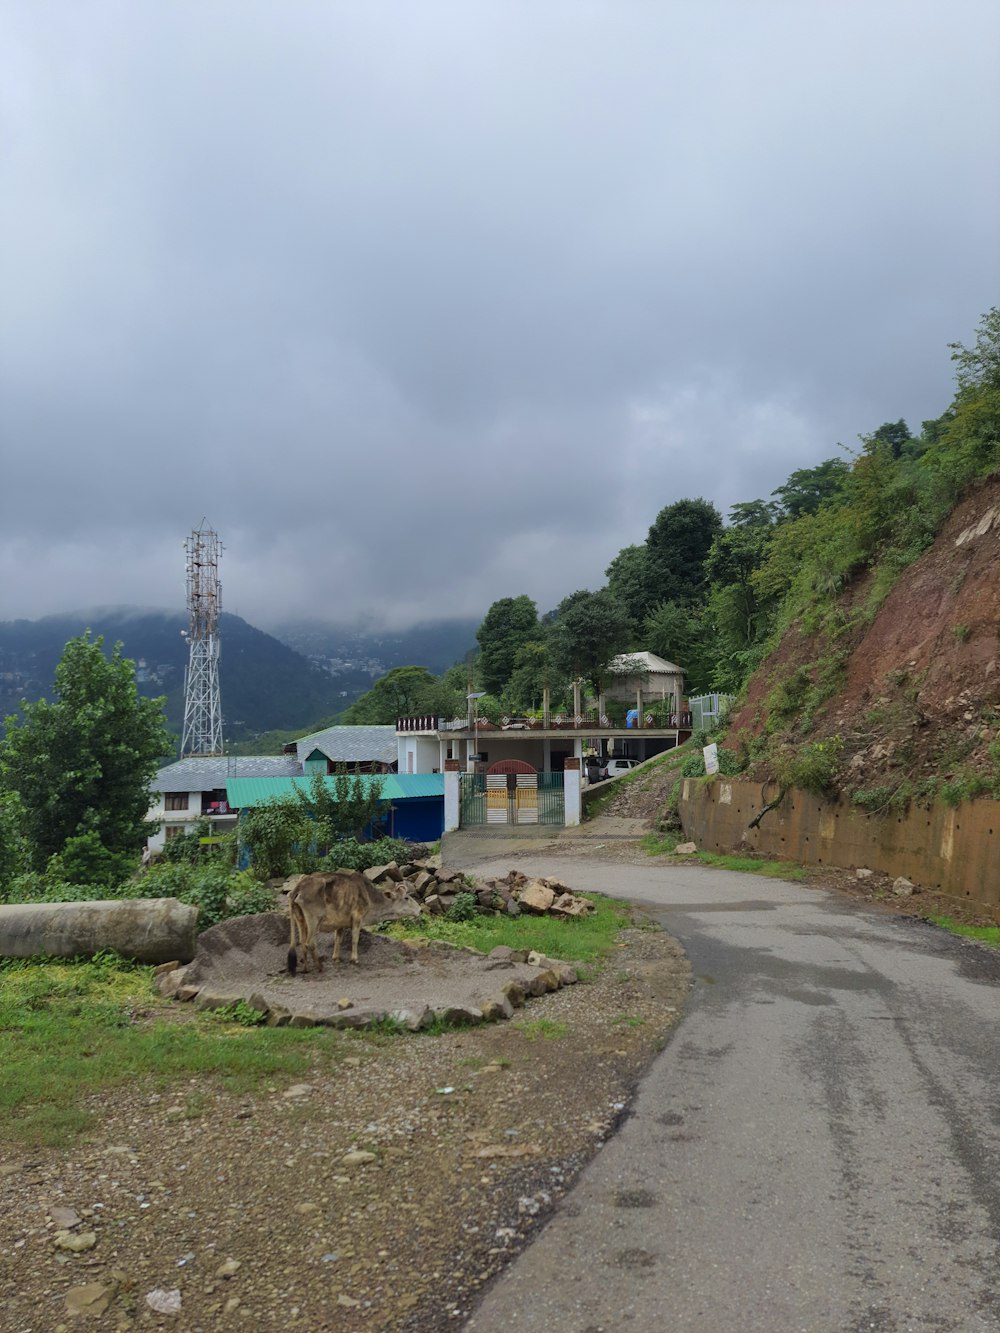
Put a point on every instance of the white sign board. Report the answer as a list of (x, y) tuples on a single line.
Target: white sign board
[(711, 753)]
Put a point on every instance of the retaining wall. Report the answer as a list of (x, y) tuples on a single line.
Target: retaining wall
[(955, 850)]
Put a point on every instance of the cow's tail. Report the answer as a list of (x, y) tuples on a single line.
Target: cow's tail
[(293, 957)]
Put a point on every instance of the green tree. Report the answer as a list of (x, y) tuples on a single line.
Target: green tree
[(507, 626), (591, 629), (629, 582), (683, 635), (343, 812), (810, 487), (82, 764), (401, 692), (676, 549), (532, 671)]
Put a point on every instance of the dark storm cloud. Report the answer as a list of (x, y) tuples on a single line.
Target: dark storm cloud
[(423, 306)]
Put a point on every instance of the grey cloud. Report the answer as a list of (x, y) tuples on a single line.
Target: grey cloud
[(425, 306)]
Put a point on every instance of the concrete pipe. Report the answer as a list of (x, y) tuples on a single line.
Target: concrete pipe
[(150, 930)]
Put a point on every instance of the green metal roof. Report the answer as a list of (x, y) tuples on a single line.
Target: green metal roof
[(244, 792)]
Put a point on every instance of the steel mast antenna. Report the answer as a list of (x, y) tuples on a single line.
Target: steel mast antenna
[(202, 732)]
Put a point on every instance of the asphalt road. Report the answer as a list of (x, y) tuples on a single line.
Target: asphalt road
[(816, 1149)]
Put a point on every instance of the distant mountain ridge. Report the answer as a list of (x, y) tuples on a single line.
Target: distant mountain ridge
[(267, 683)]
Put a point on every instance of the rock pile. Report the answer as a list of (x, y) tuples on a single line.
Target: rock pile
[(437, 889)]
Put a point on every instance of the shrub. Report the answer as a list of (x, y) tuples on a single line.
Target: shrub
[(812, 767), (349, 854), (464, 908)]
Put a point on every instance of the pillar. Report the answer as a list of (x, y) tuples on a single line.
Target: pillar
[(452, 776), (572, 801)]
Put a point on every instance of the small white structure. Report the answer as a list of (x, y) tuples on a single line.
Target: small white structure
[(645, 676)]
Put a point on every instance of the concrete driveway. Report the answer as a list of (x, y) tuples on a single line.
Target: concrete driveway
[(817, 1148)]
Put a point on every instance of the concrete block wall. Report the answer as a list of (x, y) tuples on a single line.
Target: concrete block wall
[(954, 850)]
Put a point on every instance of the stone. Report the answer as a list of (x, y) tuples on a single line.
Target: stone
[(447, 876), (345, 1003), (307, 1208), (863, 872), (545, 981), (433, 904), (685, 848), (164, 1302), (421, 882), (298, 1090), (166, 967), (485, 898), (536, 897), (447, 901), (496, 1010), (170, 982), (514, 992), (186, 992), (460, 1015), (358, 1158), (569, 905), (414, 1019), (512, 907), (501, 953), (228, 1269), (64, 1218), (903, 888), (75, 1243), (90, 1301)]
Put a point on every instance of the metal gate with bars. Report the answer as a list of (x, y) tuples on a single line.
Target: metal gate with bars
[(511, 798)]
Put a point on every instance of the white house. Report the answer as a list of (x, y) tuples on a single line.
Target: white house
[(195, 788)]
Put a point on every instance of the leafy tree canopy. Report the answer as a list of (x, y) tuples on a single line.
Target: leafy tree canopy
[(81, 765), (508, 625), (678, 543), (401, 692), (629, 582), (810, 487), (592, 629)]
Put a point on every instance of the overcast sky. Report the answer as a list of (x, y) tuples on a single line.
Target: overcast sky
[(425, 304)]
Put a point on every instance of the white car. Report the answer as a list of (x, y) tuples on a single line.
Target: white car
[(616, 767)]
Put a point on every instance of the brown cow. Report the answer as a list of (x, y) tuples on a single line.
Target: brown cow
[(334, 901)]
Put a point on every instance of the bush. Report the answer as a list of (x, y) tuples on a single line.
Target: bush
[(349, 854), (812, 767), (464, 908)]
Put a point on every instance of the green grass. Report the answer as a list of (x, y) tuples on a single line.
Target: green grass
[(985, 934), (541, 1029), (751, 866), (658, 844), (69, 1030), (587, 938)]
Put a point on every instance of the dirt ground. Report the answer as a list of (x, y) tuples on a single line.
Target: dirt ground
[(920, 691), (258, 1212)]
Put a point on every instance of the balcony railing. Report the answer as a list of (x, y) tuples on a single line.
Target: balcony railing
[(589, 722)]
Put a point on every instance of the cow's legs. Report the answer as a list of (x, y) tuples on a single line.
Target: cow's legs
[(355, 935), (336, 946)]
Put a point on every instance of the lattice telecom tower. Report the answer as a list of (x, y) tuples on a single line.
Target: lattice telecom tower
[(202, 733)]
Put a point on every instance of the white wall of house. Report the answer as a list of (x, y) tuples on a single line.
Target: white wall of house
[(418, 754), (172, 818), (180, 820)]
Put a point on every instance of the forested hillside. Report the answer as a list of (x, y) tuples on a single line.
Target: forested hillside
[(264, 683)]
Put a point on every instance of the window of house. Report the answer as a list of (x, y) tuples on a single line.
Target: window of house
[(176, 800), (172, 831)]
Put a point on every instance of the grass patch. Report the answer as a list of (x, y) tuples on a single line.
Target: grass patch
[(658, 844), (69, 1030), (751, 866), (587, 938), (985, 934), (541, 1029)]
